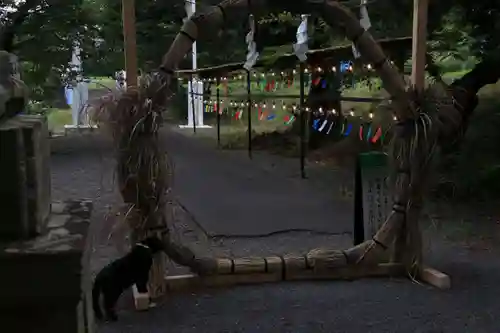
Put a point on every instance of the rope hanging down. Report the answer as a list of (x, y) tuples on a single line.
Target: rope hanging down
[(252, 54), (301, 47), (364, 21)]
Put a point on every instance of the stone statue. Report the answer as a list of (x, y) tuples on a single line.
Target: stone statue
[(13, 91)]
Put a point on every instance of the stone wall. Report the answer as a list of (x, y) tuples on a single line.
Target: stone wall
[(45, 281)]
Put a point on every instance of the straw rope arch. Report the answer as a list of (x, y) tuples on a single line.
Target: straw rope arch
[(335, 13), (425, 119)]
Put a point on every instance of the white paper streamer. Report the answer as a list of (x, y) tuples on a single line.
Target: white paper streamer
[(325, 122), (365, 23), (252, 54), (301, 47)]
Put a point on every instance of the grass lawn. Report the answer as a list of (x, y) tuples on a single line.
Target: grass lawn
[(57, 118), (101, 82)]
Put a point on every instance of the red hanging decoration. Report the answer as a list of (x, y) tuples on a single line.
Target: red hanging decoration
[(317, 81), (361, 132), (377, 135)]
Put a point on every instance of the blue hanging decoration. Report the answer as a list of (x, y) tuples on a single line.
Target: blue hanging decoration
[(348, 131), (315, 124), (271, 117), (323, 84)]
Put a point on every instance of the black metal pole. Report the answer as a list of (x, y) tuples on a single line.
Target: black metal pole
[(218, 112), (303, 121), (192, 104), (249, 107)]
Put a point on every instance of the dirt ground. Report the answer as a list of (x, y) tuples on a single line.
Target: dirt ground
[(460, 240)]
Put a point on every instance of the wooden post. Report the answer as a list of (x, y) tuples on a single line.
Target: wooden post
[(413, 247), (129, 39), (419, 47)]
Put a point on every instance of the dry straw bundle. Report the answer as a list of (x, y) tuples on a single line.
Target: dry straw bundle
[(133, 120), (144, 172)]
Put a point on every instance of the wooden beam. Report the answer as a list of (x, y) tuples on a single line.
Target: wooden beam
[(435, 278), (129, 40), (190, 282), (420, 8)]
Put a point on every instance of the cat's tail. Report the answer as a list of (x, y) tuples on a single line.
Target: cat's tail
[(96, 292)]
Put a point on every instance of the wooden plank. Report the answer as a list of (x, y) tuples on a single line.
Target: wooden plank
[(419, 43), (141, 300), (350, 272), (189, 282), (435, 278)]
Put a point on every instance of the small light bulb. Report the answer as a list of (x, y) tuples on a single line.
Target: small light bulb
[(350, 68), (369, 66), (321, 110), (284, 107), (371, 115), (319, 69), (264, 105), (256, 105), (294, 71), (395, 118), (352, 113), (306, 70), (334, 69), (307, 109), (334, 111), (282, 73), (274, 106)]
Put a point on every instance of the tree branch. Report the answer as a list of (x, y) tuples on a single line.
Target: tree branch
[(9, 30)]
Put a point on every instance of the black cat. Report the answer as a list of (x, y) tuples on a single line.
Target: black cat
[(122, 273)]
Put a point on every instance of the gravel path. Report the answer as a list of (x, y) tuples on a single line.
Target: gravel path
[(82, 168)]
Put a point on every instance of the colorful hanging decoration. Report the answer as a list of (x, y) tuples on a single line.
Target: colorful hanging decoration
[(348, 131), (289, 120), (377, 136)]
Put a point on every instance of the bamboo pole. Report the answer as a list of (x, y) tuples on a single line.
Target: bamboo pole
[(302, 119), (129, 39), (193, 111), (249, 111)]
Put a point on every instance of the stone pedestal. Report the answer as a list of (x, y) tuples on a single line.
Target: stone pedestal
[(45, 285), (24, 177)]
